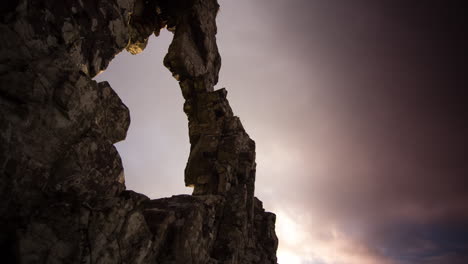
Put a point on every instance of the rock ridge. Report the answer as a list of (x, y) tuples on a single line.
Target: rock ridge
[(62, 187)]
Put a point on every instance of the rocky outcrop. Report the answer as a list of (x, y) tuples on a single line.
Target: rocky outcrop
[(62, 188)]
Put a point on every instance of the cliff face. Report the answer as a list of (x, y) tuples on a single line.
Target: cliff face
[(63, 197)]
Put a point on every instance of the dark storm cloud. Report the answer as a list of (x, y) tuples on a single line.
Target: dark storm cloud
[(395, 79), (428, 242)]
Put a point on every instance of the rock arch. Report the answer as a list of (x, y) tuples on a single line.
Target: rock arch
[(62, 187)]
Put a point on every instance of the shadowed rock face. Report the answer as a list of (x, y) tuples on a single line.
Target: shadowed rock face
[(63, 197)]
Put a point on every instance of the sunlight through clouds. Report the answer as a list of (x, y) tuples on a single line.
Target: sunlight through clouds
[(301, 244), (287, 257)]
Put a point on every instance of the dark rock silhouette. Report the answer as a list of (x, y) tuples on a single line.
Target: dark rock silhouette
[(63, 197)]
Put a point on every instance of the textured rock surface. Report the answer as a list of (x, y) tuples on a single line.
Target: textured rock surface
[(63, 197)]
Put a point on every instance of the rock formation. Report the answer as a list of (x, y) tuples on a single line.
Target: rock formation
[(63, 197)]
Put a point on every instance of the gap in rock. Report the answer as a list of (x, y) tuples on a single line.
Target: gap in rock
[(156, 149)]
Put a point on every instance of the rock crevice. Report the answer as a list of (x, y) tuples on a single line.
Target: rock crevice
[(62, 184)]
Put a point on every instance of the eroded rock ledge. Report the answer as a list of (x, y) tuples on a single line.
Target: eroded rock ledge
[(63, 197)]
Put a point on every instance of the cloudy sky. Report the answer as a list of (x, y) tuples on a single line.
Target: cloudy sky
[(359, 111)]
